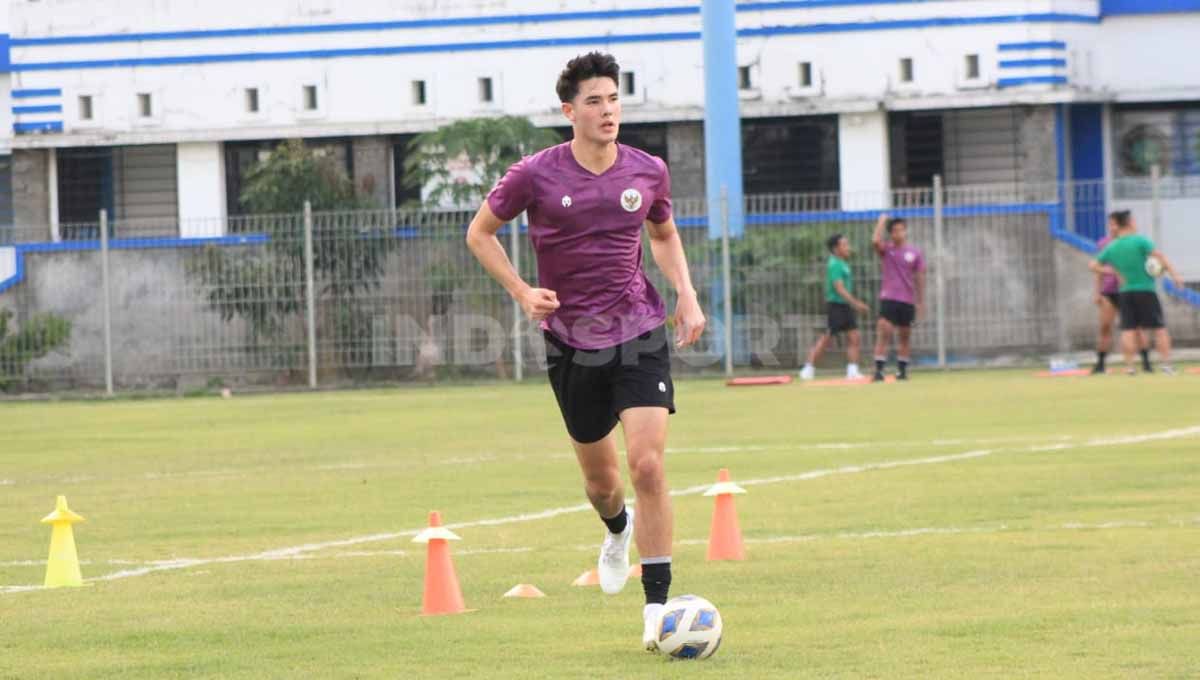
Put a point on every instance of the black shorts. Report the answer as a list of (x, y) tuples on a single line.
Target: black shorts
[(1140, 309), (593, 387), (1114, 299), (897, 313), (840, 318)]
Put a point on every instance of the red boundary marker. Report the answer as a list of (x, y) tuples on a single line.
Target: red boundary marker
[(760, 380), (1074, 373)]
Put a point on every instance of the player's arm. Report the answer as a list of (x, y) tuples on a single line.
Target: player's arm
[(840, 287), (877, 237), (667, 248), (1175, 278), (538, 303)]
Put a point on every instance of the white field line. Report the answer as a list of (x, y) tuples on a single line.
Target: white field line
[(293, 552)]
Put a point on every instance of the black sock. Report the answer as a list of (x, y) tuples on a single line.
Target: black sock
[(903, 366), (1100, 357), (879, 364), (617, 524), (1146, 359), (656, 581)]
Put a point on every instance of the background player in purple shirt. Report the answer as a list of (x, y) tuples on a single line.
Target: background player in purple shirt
[(606, 343), (1108, 301), (902, 296)]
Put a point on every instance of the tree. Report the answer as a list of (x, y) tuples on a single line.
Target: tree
[(37, 337), (457, 164), (266, 287)]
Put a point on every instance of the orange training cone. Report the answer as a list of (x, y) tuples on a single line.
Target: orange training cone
[(524, 590), (591, 577), (442, 595), (725, 537)]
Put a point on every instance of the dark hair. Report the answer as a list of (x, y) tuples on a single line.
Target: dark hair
[(891, 224), (583, 67), (833, 241), (1121, 217)]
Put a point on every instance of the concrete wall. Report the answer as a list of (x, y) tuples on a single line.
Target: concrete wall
[(31, 196), (373, 169), (685, 156)]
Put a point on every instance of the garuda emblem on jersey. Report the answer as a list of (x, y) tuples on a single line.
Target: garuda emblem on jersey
[(631, 200)]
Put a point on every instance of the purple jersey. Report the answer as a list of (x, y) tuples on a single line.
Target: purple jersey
[(1109, 284), (900, 267), (587, 233)]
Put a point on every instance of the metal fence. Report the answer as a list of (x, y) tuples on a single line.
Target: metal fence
[(336, 298)]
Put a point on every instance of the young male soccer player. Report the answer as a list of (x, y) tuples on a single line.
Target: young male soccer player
[(902, 296), (841, 304), (603, 321), (1139, 304), (1108, 302)]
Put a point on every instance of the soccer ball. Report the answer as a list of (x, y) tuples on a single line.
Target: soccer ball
[(689, 628), (1154, 267)]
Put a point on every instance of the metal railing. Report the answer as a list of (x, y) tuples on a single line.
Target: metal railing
[(311, 299)]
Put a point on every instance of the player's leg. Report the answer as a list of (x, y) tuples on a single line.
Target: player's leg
[(1153, 319), (583, 389), (853, 342), (645, 443), (1144, 341), (903, 351), (1104, 337), (808, 372), (1130, 331), (883, 338)]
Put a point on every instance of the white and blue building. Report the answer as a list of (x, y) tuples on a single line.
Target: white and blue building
[(154, 109)]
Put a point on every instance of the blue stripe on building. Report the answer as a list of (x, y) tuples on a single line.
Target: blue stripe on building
[(1033, 63), (41, 126), (46, 108), (1034, 45), (1031, 80), (36, 94), (570, 41)]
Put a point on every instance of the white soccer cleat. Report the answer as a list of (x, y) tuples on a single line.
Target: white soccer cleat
[(852, 373), (808, 372), (613, 566), (651, 614)]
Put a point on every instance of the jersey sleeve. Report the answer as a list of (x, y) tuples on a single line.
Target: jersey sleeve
[(1147, 246), (513, 194), (919, 265), (1105, 255), (660, 209)]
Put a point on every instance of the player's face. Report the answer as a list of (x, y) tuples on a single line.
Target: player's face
[(900, 232), (595, 113), (843, 249)]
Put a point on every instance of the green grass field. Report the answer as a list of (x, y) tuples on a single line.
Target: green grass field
[(1066, 544)]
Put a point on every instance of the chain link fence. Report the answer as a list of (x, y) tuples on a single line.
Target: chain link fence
[(310, 299)]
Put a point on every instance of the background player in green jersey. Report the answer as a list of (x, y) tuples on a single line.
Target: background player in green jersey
[(841, 305), (1126, 257)]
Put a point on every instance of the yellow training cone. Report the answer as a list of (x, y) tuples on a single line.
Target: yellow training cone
[(62, 569)]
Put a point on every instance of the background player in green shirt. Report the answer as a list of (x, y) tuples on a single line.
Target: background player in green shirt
[(841, 304), (1126, 257)]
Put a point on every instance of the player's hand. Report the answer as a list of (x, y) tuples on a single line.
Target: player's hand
[(862, 308), (1177, 281), (538, 303), (689, 320)]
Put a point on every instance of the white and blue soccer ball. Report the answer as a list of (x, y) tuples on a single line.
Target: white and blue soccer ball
[(689, 628), (1154, 266)]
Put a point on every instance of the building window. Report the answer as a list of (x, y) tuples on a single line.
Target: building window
[(418, 92), (906, 70), (145, 105), (310, 98), (787, 155), (485, 91), (628, 83), (806, 74), (86, 111), (744, 82), (251, 98), (972, 67)]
